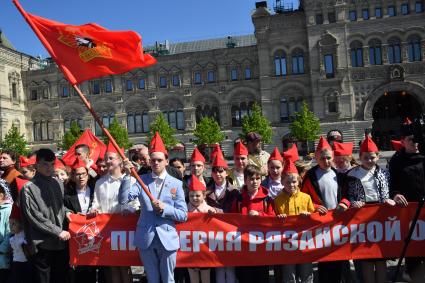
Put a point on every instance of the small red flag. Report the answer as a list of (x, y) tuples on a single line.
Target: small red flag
[(97, 148), (89, 51)]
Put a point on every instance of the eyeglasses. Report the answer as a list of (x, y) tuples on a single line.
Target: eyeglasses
[(218, 170), (81, 175)]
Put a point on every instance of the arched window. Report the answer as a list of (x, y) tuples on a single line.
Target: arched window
[(394, 51), (137, 122), (280, 63), (207, 111), (298, 62), (67, 123), (289, 107), (175, 118), (106, 120), (356, 54), (375, 52), (414, 51), (41, 130), (240, 110)]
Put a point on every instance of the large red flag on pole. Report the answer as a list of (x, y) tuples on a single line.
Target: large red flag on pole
[(90, 51)]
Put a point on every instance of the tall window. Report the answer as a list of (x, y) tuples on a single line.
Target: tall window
[(329, 66), (67, 123), (65, 91), (289, 107), (280, 64), (375, 53), (176, 80), (378, 12), (197, 78), (419, 7), (298, 62), (137, 123), (394, 51), (356, 54), (162, 82), (141, 84), (414, 49), (175, 119), (319, 19), (240, 110), (106, 120), (96, 87), (331, 17), (233, 74), (129, 85), (41, 131), (248, 73), (45, 93), (210, 76), (33, 94), (391, 11), (14, 91), (405, 9), (352, 15), (207, 111), (365, 14), (108, 86)]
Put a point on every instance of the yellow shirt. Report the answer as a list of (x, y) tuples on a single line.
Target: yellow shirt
[(293, 204)]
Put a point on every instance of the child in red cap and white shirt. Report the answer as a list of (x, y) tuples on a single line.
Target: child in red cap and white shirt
[(369, 183), (198, 204)]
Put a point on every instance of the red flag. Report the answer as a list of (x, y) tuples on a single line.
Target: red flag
[(89, 51), (97, 148)]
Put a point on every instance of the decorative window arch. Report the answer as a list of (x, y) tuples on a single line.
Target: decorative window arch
[(394, 50), (375, 52), (414, 48)]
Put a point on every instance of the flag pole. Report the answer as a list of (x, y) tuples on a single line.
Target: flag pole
[(111, 140), (72, 81)]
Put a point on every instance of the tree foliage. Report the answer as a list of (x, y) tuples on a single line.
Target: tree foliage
[(15, 142), (208, 131), (256, 122), (165, 131), (305, 126), (71, 136), (119, 133)]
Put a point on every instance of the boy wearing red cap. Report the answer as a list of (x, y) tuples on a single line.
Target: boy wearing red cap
[(369, 183), (273, 181), (293, 202), (197, 168), (240, 159), (325, 187), (254, 201), (156, 236)]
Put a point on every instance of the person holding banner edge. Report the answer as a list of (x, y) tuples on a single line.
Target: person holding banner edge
[(156, 236)]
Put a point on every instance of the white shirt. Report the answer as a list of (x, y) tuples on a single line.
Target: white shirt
[(274, 188), (16, 242), (219, 189), (368, 182), (105, 198), (240, 180), (159, 180), (328, 186), (84, 199)]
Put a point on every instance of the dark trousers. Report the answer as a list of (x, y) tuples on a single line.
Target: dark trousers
[(83, 274), (50, 266), (20, 272), (4, 274), (254, 274), (330, 271)]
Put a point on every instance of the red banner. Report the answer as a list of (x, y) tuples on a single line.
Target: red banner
[(375, 231)]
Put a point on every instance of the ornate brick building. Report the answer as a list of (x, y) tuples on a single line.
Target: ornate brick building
[(358, 64)]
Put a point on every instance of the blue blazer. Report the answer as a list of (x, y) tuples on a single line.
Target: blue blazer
[(150, 222)]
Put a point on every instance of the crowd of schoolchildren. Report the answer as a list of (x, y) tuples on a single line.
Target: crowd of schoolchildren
[(291, 187)]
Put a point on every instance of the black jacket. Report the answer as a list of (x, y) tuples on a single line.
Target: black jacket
[(70, 199), (407, 175)]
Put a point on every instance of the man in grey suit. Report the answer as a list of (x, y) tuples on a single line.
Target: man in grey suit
[(156, 236)]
